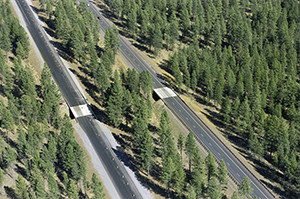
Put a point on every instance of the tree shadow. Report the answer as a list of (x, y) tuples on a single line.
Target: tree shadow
[(127, 159), (165, 65), (123, 140), (101, 115), (50, 32), (21, 170), (214, 117), (91, 89), (142, 46), (269, 173), (10, 192), (63, 51)]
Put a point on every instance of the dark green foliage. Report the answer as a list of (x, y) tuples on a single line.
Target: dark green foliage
[(213, 188), (53, 190), (245, 187), (97, 188), (72, 190), (180, 143), (211, 166), (190, 148), (114, 105), (222, 173), (21, 188), (1, 177), (146, 151)]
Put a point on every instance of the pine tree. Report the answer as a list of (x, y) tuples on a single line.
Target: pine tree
[(190, 147), (213, 188), (102, 79), (194, 80), (38, 187), (172, 31), (185, 21), (21, 187), (180, 143), (5, 43), (65, 180), (179, 179), (53, 190), (156, 39), (222, 173), (245, 187), (165, 135), (72, 190), (2, 178), (146, 151), (211, 166), (176, 71), (198, 183), (235, 195), (97, 188), (167, 172), (132, 23), (191, 193), (114, 104)]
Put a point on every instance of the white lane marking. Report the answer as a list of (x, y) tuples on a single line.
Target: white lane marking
[(238, 174), (194, 126), (210, 144), (179, 110)]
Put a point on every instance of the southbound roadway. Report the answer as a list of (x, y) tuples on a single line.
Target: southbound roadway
[(187, 116), (115, 168)]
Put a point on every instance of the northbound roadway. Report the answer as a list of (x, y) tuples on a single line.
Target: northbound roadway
[(187, 116)]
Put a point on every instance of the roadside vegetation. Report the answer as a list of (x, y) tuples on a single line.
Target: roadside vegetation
[(126, 96), (39, 154), (240, 57)]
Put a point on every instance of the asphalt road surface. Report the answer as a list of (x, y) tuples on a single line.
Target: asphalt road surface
[(234, 166), (108, 156)]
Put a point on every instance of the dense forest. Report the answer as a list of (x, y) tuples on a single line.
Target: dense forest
[(240, 56), (38, 149), (127, 100)]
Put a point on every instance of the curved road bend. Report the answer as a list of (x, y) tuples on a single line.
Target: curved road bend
[(234, 166), (114, 167)]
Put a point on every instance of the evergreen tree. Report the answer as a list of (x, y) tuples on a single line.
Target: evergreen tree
[(180, 143), (156, 38), (222, 173), (190, 147), (191, 193), (132, 23), (72, 190), (245, 187), (97, 188), (2, 178), (53, 190), (179, 178), (146, 151), (167, 172), (5, 43), (21, 188), (114, 104), (213, 188), (211, 166), (235, 195)]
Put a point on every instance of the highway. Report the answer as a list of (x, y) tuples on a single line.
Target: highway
[(187, 116), (114, 167)]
